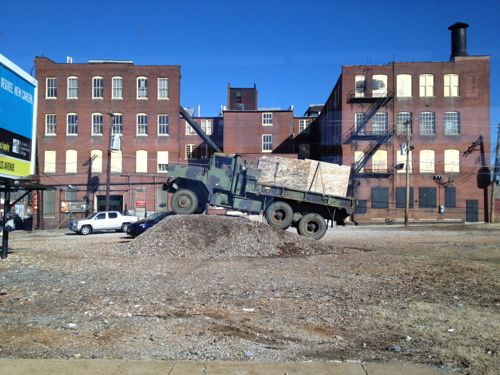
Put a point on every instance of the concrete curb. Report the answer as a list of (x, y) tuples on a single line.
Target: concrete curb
[(112, 367)]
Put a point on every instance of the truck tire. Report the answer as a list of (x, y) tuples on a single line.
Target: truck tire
[(279, 215), (86, 229), (312, 225), (184, 202), (125, 227)]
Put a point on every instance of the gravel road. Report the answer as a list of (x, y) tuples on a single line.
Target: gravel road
[(210, 287)]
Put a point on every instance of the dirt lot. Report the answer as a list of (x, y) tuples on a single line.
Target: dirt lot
[(230, 290)]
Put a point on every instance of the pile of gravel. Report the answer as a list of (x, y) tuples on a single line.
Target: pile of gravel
[(216, 236)]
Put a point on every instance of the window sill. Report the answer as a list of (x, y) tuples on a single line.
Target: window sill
[(163, 135), (142, 98), (99, 98), (141, 135), (50, 98), (71, 135), (50, 135)]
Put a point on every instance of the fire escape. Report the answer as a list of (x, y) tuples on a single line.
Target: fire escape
[(376, 138)]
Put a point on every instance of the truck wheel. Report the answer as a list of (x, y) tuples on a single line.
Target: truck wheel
[(279, 215), (125, 227), (312, 226), (184, 201), (86, 229)]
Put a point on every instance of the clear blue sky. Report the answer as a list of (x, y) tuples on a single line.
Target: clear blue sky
[(293, 50)]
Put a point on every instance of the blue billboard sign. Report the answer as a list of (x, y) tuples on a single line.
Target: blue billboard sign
[(18, 104)]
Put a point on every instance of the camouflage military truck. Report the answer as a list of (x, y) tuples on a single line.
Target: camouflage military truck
[(274, 188)]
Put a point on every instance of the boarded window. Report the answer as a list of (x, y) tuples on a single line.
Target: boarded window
[(452, 161), (380, 197), (362, 206), (379, 85), (427, 161), (379, 161), (358, 159), (450, 197), (96, 156), (141, 161), (427, 197), (49, 203), (401, 159), (403, 82), (359, 82), (116, 161), (71, 161), (49, 165), (401, 197)]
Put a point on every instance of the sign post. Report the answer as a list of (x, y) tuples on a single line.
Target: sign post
[(18, 106)]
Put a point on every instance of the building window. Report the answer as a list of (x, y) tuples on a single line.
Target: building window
[(451, 85), (162, 88), (96, 157), (267, 142), (451, 161), (142, 88), (49, 164), (141, 161), (358, 159), (206, 126), (71, 124), (401, 160), (162, 162), (71, 161), (379, 123), (304, 126), (401, 197), (359, 122), (189, 129), (379, 161), (51, 88), (427, 197), (190, 151), (203, 151), (117, 124), (117, 88), (426, 85), (70, 194), (142, 124), (359, 86), (97, 88), (403, 119), (49, 203), (163, 124), (72, 87), (450, 197), (97, 124), (427, 123), (116, 161), (267, 119), (380, 197), (403, 82), (379, 85), (452, 123), (427, 161), (50, 124)]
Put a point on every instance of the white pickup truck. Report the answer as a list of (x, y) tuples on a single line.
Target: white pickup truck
[(102, 221)]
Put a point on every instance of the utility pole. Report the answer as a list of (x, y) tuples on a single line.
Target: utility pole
[(408, 149), (108, 167), (496, 172)]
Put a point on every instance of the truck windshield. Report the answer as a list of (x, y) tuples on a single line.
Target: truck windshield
[(223, 161)]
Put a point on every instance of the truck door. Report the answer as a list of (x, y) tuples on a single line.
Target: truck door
[(99, 221), (221, 172)]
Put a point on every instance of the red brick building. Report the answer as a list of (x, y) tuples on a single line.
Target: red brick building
[(445, 106), (82, 109)]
